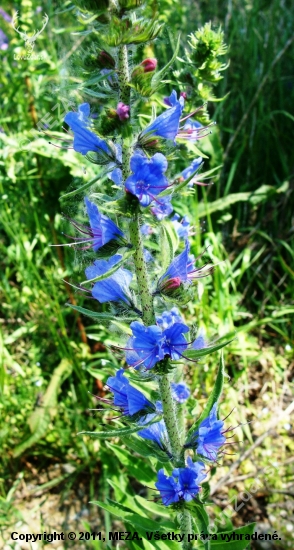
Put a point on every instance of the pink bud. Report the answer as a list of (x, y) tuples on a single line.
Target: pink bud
[(123, 111), (183, 94), (149, 64)]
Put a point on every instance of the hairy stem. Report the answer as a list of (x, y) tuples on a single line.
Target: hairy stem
[(146, 297), (186, 528)]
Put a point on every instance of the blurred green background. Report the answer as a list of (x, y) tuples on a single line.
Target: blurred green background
[(50, 358)]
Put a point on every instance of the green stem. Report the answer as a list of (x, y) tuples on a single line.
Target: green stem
[(123, 75), (146, 297), (141, 272), (186, 528)]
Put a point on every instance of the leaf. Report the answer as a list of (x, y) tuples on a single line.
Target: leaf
[(201, 519), (120, 432), (138, 468), (169, 243), (213, 398), (158, 76), (146, 449), (83, 187), (41, 416), (197, 353), (234, 544), (102, 316)]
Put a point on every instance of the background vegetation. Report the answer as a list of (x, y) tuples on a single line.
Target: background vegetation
[(51, 358)]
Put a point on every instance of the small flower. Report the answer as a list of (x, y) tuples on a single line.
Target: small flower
[(127, 398), (102, 228), (209, 437), (166, 125), (123, 111), (181, 270), (192, 168), (145, 346), (114, 288), (162, 207), (183, 484), (157, 433), (199, 342), (180, 392), (174, 341), (147, 180), (168, 487), (168, 318), (85, 140), (193, 130), (182, 227)]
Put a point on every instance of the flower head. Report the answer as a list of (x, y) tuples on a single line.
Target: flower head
[(114, 288), (166, 125), (157, 433), (127, 398), (168, 318), (148, 179), (181, 270), (183, 484), (101, 230), (162, 207), (209, 437), (192, 168), (145, 346), (182, 227), (85, 140), (175, 343)]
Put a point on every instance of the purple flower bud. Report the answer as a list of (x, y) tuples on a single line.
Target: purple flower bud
[(123, 111), (149, 64)]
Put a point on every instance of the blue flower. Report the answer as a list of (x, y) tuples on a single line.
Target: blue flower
[(174, 341), (102, 228), (192, 130), (147, 180), (180, 392), (127, 398), (191, 169), (115, 287), (145, 346), (183, 484), (182, 270), (182, 227), (85, 140), (209, 437), (168, 487), (157, 433), (199, 342), (166, 125), (116, 176), (168, 318), (162, 207)]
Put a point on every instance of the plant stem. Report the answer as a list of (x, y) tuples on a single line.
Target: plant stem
[(186, 528), (146, 297)]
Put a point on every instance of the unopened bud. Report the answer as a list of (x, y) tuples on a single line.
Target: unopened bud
[(105, 60), (149, 64), (123, 111)]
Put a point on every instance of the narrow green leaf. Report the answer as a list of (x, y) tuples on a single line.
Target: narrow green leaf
[(233, 544), (120, 432), (40, 418), (197, 353), (101, 316), (201, 519), (83, 187), (158, 76)]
